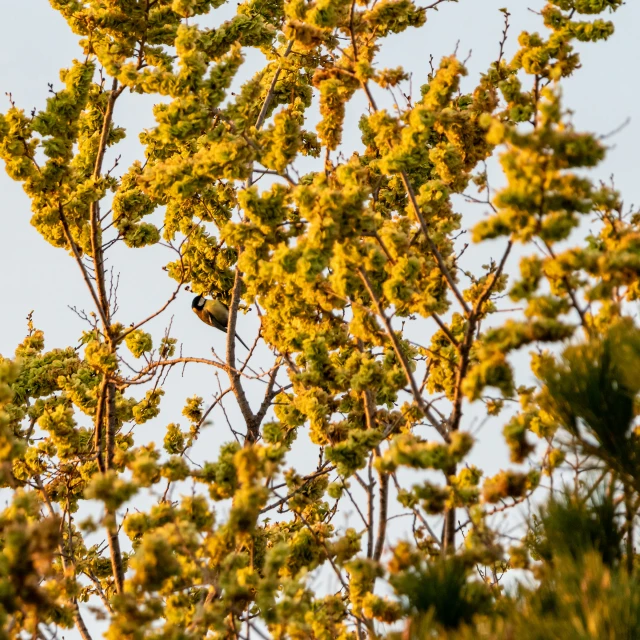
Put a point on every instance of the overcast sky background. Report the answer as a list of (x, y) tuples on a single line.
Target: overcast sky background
[(35, 43)]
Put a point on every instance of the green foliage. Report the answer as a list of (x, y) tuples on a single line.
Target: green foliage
[(139, 342), (340, 262), (599, 395), (574, 528), (440, 594)]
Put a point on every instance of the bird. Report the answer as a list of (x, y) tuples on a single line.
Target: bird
[(215, 313)]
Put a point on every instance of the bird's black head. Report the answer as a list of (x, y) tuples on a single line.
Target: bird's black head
[(198, 303)]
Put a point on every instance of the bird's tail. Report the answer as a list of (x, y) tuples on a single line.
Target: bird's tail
[(242, 342)]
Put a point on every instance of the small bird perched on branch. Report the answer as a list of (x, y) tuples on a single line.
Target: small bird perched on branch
[(215, 313)]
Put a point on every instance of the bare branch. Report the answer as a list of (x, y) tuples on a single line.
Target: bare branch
[(83, 269), (505, 31), (463, 366), (174, 295), (268, 396)]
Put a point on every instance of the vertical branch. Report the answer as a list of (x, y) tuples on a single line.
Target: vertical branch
[(96, 230), (252, 421), (106, 394), (370, 490), (115, 553), (629, 513), (463, 367), (383, 496), (503, 40), (112, 424), (112, 524), (97, 428), (449, 527), (107, 405), (232, 372), (383, 502)]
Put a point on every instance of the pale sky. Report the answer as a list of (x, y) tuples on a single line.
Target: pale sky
[(35, 43)]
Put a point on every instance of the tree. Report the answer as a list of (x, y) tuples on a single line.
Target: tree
[(339, 263)]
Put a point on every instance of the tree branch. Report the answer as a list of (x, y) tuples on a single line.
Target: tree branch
[(96, 240), (402, 358), (234, 376), (465, 348), (270, 93), (444, 269), (383, 502), (97, 428), (112, 525), (77, 616), (268, 396), (83, 269), (456, 413), (174, 295), (307, 480)]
